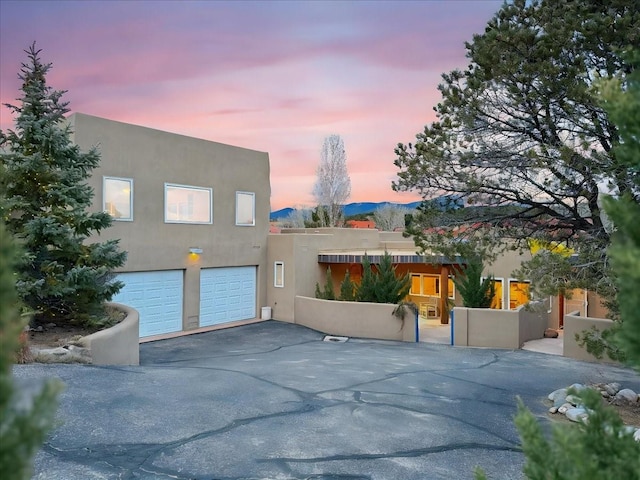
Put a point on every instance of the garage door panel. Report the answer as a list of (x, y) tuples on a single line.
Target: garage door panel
[(227, 295), (158, 298)]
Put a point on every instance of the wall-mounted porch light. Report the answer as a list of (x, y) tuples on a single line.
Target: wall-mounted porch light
[(195, 250)]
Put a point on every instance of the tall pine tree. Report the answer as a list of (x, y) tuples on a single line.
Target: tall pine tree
[(22, 428), (46, 199), (475, 291), (388, 287)]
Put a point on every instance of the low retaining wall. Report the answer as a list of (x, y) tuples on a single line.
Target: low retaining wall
[(354, 319), (575, 324), (483, 327), (118, 345)]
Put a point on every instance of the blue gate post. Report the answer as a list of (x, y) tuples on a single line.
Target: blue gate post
[(417, 329), (451, 323)]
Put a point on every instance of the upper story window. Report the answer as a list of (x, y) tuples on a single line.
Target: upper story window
[(245, 209), (187, 204), (117, 198)]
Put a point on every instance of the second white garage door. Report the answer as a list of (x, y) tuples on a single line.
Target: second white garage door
[(227, 295)]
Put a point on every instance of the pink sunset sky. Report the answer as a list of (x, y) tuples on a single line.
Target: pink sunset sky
[(269, 76)]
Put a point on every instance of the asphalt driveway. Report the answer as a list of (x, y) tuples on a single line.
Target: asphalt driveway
[(274, 401)]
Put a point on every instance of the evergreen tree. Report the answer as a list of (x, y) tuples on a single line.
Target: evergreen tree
[(475, 291), (327, 292), (347, 289), (602, 447), (366, 291), (22, 430), (521, 132), (46, 199), (623, 106), (388, 287), (382, 286), (599, 448)]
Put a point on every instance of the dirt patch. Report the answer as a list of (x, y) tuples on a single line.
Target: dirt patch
[(630, 414), (51, 335)]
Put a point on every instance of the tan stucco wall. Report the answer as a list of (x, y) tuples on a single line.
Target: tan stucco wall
[(506, 263), (532, 324), (595, 307), (117, 345), (481, 327), (151, 158), (354, 319), (574, 324), (298, 249)]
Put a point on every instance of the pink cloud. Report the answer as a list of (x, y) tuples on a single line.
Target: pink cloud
[(271, 76)]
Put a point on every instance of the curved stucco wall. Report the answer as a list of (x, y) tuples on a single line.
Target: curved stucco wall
[(354, 319), (118, 345)]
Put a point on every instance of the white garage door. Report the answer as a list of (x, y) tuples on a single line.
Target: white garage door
[(158, 298), (227, 295)]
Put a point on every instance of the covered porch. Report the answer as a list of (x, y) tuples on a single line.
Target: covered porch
[(432, 287)]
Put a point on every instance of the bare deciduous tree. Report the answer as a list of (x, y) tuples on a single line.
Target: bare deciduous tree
[(389, 216), (333, 185), (297, 218)]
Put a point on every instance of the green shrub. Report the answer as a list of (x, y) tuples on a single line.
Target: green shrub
[(328, 292), (475, 291), (347, 289)]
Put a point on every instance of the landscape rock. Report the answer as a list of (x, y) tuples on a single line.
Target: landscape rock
[(625, 395), (612, 388), (563, 409), (573, 400), (71, 354), (577, 414), (550, 333), (561, 393)]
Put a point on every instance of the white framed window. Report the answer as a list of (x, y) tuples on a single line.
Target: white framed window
[(518, 293), (278, 274), (245, 209), (117, 198), (187, 204), (429, 285)]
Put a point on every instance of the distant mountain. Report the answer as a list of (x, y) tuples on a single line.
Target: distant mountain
[(370, 207), (280, 214), (349, 209)]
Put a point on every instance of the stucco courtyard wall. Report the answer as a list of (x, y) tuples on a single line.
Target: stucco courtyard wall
[(482, 327), (354, 319), (575, 324), (118, 345)]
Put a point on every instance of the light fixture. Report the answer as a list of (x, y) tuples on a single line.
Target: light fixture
[(195, 250)]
